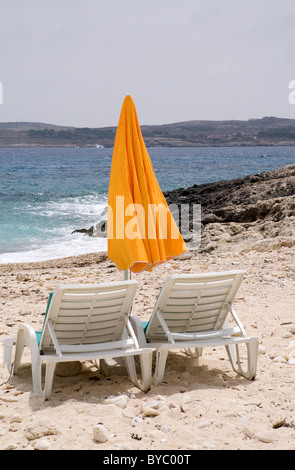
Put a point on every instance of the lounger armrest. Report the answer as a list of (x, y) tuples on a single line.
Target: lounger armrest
[(138, 330), (28, 331), (205, 335)]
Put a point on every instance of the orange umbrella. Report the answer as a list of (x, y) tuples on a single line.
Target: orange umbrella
[(141, 230)]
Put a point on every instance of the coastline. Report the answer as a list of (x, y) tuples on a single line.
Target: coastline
[(202, 404), (252, 212), (48, 238), (252, 132)]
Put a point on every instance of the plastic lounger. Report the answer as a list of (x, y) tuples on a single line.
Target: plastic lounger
[(83, 322), (192, 312)]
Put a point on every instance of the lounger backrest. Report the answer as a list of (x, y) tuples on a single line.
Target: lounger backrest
[(194, 303), (88, 314)]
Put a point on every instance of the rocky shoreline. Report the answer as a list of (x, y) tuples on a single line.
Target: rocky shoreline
[(256, 212)]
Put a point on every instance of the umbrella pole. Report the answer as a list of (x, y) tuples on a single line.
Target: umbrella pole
[(127, 275)]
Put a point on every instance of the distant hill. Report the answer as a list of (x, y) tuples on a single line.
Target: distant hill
[(254, 132)]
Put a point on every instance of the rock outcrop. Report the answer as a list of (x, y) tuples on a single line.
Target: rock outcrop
[(254, 212)]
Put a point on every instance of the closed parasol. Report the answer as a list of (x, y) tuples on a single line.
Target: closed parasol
[(141, 230)]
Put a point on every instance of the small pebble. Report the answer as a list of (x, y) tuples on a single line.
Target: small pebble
[(263, 437), (100, 433), (165, 428), (261, 349), (39, 428), (249, 432), (147, 411), (42, 444), (16, 418), (204, 424), (152, 404), (120, 401), (186, 399), (279, 359)]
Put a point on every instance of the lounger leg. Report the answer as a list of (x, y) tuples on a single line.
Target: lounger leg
[(37, 377), (197, 352), (19, 349), (146, 371), (234, 357), (131, 369), (161, 357), (8, 346), (50, 367), (39, 391)]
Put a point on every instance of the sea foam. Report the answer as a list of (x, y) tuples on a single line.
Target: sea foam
[(77, 245)]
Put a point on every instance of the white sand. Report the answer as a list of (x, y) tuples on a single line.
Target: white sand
[(201, 404)]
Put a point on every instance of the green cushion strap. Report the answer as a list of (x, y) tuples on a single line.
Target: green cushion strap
[(145, 325), (39, 333)]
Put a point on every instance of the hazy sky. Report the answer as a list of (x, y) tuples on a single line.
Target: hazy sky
[(72, 62)]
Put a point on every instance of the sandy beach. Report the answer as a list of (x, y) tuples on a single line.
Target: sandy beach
[(201, 405)]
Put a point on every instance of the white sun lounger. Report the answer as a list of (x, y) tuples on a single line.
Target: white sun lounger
[(85, 322), (192, 312)]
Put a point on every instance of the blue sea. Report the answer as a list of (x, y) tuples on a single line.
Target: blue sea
[(47, 193)]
